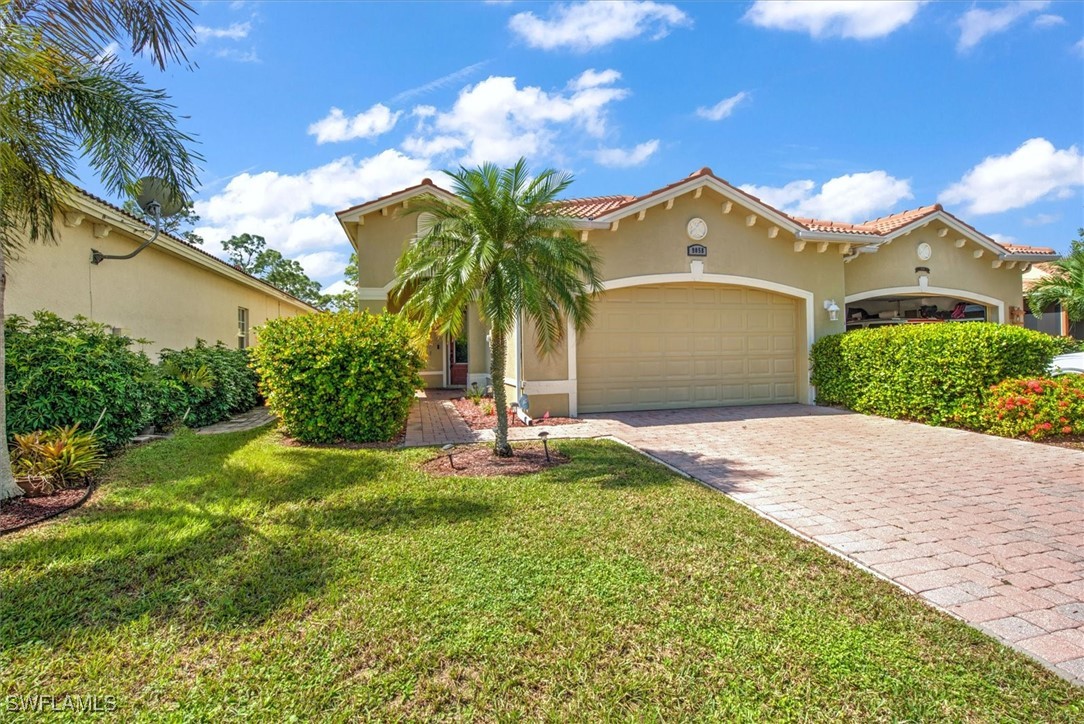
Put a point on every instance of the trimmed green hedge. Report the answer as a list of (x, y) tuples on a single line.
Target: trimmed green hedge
[(209, 382), (935, 373), (61, 372), (345, 376)]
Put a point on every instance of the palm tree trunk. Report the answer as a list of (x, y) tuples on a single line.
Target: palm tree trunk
[(8, 487), (498, 355)]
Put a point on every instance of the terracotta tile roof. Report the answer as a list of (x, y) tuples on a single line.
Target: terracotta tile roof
[(424, 182), (193, 247), (874, 227), (593, 206), (1023, 249)]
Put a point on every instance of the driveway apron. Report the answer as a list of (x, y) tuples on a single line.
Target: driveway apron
[(988, 529)]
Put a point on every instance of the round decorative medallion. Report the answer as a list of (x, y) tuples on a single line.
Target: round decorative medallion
[(925, 251), (697, 228)]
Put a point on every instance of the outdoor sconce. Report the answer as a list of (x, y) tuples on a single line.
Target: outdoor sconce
[(923, 273), (832, 308), (156, 199)]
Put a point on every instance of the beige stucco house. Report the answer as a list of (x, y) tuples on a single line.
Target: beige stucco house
[(172, 293), (713, 297)]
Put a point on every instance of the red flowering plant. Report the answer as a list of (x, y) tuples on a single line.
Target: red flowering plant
[(1035, 407)]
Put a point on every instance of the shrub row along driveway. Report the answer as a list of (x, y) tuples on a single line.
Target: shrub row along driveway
[(987, 528)]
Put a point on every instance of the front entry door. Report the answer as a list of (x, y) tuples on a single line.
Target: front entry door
[(457, 361)]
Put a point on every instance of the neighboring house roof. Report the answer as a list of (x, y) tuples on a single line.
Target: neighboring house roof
[(601, 210), (190, 251)]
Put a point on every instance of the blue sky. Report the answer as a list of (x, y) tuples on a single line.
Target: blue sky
[(846, 110)]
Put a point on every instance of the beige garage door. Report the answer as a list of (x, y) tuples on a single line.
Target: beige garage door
[(688, 345)]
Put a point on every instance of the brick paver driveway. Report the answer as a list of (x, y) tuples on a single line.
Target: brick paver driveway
[(989, 529)]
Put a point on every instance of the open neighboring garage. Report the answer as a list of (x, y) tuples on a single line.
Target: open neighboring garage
[(914, 309), (689, 345)]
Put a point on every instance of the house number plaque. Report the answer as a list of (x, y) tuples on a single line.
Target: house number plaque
[(697, 250)]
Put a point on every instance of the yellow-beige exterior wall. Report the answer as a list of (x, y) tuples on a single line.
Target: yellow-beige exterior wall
[(655, 248), (158, 295)]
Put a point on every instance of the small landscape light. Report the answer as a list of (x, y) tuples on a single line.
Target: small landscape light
[(545, 443), (448, 449)]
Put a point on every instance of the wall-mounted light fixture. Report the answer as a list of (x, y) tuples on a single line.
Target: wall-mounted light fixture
[(832, 308), (156, 199)]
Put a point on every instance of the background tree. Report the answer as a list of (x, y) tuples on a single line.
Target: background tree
[(505, 248), (347, 301), (1064, 286), (60, 102), (180, 224), (251, 254)]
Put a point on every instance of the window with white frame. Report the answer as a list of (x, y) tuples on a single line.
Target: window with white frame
[(242, 328)]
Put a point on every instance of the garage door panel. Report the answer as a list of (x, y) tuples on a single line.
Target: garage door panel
[(664, 346)]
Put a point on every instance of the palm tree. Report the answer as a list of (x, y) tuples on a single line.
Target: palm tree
[(503, 246), (63, 98), (1065, 285)]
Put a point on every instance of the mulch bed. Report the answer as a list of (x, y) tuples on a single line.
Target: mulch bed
[(479, 461), (1076, 442), (476, 420), (23, 512)]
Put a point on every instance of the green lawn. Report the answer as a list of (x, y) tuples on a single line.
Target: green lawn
[(229, 576)]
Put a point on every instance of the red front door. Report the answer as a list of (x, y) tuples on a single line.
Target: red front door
[(457, 363)]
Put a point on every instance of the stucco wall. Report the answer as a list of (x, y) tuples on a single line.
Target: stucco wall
[(950, 268), (156, 295), (658, 244)]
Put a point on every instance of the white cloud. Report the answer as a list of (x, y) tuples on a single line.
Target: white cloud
[(1003, 238), (723, 108), (1041, 219), (625, 158), (1048, 21), (240, 56), (852, 198), (1034, 171), (583, 26), (295, 212), (978, 23), (834, 18), (441, 82), (1078, 47), (107, 53), (335, 126), (497, 121), (324, 264), (236, 31), (339, 287)]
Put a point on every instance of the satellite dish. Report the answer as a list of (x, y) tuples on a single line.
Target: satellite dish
[(151, 191)]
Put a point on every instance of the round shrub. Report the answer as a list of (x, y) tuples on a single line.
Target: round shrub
[(1036, 407), (60, 373), (210, 383), (347, 376), (936, 373)]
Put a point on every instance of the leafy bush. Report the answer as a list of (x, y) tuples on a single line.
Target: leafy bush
[(1065, 345), (936, 373), (57, 458), (344, 376), (1037, 407), (62, 373), (210, 383)]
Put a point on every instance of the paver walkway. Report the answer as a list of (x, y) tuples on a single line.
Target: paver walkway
[(434, 421), (988, 529), (256, 417)]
